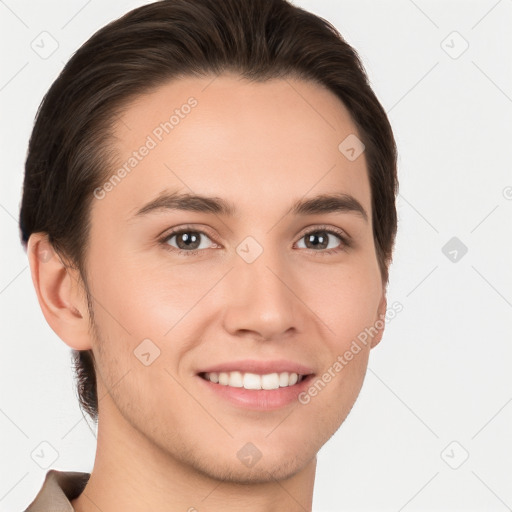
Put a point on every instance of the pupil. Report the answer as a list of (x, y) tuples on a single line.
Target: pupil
[(188, 240), (313, 236)]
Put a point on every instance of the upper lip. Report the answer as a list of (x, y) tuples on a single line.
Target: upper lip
[(259, 367)]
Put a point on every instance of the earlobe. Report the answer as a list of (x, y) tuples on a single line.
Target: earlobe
[(380, 323), (57, 289)]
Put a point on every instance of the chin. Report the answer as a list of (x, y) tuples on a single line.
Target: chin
[(264, 471), (259, 459)]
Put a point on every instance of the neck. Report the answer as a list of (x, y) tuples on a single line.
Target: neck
[(131, 473)]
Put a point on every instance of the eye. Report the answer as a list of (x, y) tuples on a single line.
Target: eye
[(321, 238), (188, 241)]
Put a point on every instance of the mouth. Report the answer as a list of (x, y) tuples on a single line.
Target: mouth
[(253, 391), (254, 381)]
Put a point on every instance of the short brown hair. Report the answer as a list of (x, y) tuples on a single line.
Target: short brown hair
[(69, 154)]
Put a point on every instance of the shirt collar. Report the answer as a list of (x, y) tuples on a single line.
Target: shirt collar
[(59, 488)]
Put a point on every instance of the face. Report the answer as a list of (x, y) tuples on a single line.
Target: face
[(181, 288)]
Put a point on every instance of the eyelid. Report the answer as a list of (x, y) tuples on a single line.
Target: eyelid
[(183, 229), (346, 239), (325, 227), (186, 227)]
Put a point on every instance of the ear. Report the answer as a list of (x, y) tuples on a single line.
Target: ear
[(59, 293), (380, 323)]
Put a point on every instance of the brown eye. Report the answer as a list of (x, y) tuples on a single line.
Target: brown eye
[(187, 240), (324, 240)]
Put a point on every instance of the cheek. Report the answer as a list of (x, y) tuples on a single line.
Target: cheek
[(144, 297), (146, 300), (138, 309), (345, 299), (153, 302)]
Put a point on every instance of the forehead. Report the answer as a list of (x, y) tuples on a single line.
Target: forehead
[(253, 143)]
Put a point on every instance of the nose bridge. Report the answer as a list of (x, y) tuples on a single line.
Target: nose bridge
[(260, 298)]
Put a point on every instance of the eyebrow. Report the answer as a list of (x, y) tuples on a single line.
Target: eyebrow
[(321, 204)]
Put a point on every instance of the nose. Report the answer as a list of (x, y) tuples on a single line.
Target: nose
[(261, 300)]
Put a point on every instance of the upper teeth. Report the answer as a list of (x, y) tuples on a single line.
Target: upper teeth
[(253, 380)]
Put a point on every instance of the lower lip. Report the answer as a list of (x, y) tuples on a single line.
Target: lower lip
[(259, 399)]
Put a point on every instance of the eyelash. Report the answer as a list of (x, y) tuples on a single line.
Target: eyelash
[(345, 242)]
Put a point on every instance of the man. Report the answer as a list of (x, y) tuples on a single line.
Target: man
[(209, 215)]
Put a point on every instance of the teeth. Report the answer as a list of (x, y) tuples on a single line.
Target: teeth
[(270, 381), (235, 379), (253, 380), (283, 379)]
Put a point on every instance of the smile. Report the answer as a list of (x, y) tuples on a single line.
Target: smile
[(247, 380)]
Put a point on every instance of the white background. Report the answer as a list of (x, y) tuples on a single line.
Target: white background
[(442, 372)]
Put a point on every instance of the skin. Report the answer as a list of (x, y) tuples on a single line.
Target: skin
[(163, 442)]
